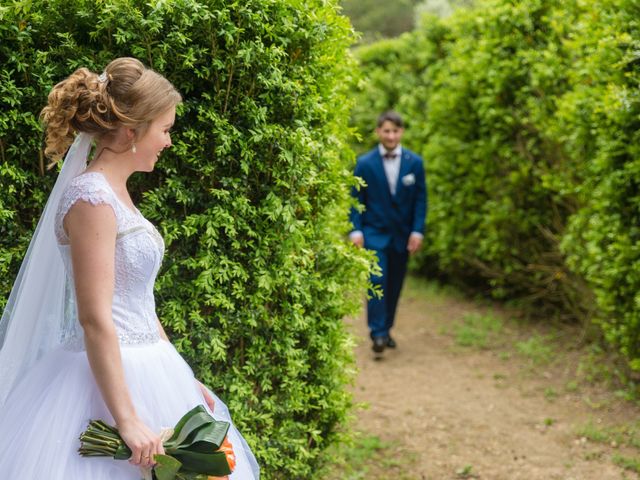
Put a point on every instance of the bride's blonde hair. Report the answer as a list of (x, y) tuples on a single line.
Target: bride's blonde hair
[(126, 94)]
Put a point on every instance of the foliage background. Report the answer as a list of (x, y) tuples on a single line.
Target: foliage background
[(251, 200), (526, 113), (377, 19)]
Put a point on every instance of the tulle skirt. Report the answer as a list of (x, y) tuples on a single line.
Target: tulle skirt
[(45, 413)]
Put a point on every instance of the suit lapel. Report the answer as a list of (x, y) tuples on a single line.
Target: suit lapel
[(405, 167)]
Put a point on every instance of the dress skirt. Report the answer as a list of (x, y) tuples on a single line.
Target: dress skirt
[(51, 406)]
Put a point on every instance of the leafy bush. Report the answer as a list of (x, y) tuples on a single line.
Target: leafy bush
[(476, 91), (600, 119), (251, 200), (527, 116)]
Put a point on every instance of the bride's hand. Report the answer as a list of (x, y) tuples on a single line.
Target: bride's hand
[(207, 396), (144, 444)]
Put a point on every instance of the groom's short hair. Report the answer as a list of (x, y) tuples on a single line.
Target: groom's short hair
[(390, 116)]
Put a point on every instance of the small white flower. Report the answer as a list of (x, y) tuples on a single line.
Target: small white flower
[(409, 179)]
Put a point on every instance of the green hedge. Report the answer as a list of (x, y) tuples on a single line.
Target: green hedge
[(474, 89), (251, 200), (599, 121), (526, 114)]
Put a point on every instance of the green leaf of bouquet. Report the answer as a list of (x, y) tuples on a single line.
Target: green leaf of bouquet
[(208, 438), (214, 463), (184, 420), (192, 425), (166, 467), (123, 452), (195, 410)]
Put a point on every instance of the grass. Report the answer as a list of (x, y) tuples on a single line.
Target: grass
[(416, 286), (536, 349), (572, 386), (504, 356), (594, 433), (482, 331), (616, 435), (477, 330), (593, 456), (465, 472), (367, 456), (600, 367), (631, 464)]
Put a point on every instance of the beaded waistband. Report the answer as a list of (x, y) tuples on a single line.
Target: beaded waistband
[(75, 342)]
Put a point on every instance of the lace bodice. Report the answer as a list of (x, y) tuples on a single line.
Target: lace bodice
[(138, 254)]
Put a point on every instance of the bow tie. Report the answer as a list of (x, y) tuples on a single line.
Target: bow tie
[(390, 156)]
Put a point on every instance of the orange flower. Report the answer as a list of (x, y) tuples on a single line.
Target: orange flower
[(227, 448)]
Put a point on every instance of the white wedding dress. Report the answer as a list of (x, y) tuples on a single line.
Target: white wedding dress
[(52, 404)]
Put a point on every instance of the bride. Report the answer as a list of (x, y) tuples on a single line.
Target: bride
[(79, 338)]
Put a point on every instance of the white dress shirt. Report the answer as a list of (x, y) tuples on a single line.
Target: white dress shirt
[(391, 166)]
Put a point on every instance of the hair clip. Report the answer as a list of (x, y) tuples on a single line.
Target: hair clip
[(102, 78)]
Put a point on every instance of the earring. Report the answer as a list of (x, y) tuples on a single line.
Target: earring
[(134, 149)]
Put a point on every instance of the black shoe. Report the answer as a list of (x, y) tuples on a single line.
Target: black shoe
[(379, 343), (391, 343)]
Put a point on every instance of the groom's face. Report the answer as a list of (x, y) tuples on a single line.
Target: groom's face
[(389, 134)]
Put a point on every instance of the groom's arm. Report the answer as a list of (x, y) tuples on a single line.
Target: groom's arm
[(359, 193), (420, 207), (419, 210)]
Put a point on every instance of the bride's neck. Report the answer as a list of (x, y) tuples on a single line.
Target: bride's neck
[(115, 166)]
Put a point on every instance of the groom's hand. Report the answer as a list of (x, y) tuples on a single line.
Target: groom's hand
[(415, 242), (357, 238)]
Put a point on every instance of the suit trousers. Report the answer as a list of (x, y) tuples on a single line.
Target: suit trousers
[(381, 312)]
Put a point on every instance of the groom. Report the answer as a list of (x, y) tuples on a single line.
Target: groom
[(392, 223)]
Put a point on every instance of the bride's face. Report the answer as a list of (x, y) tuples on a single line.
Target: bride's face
[(156, 138)]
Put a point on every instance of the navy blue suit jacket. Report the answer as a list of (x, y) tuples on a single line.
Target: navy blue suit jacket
[(388, 220)]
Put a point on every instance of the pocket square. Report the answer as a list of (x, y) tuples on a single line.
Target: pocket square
[(409, 179)]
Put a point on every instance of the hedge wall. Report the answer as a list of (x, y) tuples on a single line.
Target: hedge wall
[(527, 115), (474, 89), (599, 122), (251, 200)]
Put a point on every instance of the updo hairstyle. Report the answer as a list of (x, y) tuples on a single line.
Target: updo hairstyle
[(126, 94)]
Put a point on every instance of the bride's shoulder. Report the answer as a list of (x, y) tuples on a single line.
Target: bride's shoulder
[(89, 180), (91, 187)]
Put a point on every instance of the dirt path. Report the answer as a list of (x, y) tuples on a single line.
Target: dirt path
[(439, 411)]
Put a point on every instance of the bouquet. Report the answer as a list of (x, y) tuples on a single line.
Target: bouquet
[(196, 449)]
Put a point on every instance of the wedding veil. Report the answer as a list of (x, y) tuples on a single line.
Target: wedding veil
[(33, 317)]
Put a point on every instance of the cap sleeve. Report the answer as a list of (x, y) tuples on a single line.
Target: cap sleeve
[(88, 187)]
